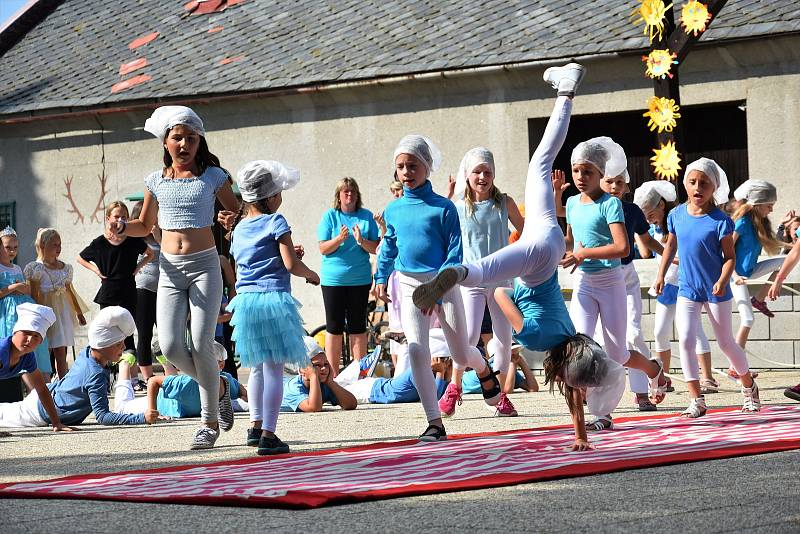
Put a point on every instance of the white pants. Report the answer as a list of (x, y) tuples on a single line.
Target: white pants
[(601, 295), (634, 337), (24, 413), (476, 299), (665, 316), (349, 380), (719, 313), (535, 256), (265, 391), (125, 400), (417, 327), (741, 294)]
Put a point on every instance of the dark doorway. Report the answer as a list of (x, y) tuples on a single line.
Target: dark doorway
[(717, 131)]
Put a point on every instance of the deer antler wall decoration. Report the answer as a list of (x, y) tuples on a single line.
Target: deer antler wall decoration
[(98, 208)]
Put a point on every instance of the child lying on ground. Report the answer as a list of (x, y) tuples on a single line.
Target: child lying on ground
[(314, 386), (83, 389), (17, 358), (172, 395)]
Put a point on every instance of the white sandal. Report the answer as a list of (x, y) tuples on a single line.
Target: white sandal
[(600, 423), (697, 408), (658, 392)]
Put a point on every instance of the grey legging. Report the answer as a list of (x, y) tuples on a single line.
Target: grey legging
[(191, 285)]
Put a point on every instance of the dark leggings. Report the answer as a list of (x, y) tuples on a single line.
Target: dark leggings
[(130, 345), (345, 303), (145, 320)]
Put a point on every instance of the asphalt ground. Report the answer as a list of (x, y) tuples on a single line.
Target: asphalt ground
[(755, 493)]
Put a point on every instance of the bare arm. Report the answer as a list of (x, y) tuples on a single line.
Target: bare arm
[(514, 215), (331, 245), (788, 264), (502, 296), (346, 400), (144, 224), (650, 245), (148, 257), (91, 266), (530, 381), (294, 264), (728, 264), (559, 186), (314, 401), (579, 423), (154, 383), (619, 248), (666, 260), (226, 197)]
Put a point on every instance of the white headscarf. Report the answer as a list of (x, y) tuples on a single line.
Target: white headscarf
[(617, 161), (34, 318), (166, 117), (594, 152), (263, 179), (312, 347), (110, 326), (474, 157), (650, 193), (220, 354), (710, 168), (756, 192), (421, 148)]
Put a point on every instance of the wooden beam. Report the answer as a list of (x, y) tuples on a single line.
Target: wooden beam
[(681, 42)]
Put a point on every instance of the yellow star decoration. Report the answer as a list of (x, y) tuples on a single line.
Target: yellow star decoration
[(651, 12), (695, 17), (659, 63), (663, 113), (666, 162)]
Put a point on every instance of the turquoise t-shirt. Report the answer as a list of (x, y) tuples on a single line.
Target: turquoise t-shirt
[(545, 319), (179, 395), (590, 226), (748, 247), (349, 264), (295, 392)]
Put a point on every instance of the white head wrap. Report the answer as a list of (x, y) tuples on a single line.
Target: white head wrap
[(595, 151), (473, 158), (650, 193), (34, 318), (220, 354), (8, 231), (312, 347), (421, 148), (166, 117), (110, 326), (710, 168), (617, 161), (756, 192), (263, 179)]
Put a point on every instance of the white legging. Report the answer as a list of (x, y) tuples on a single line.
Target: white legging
[(665, 316), (687, 319), (416, 326), (265, 391), (602, 295), (741, 294), (535, 256), (635, 337), (476, 299)]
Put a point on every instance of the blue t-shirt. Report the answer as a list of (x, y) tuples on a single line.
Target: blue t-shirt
[(400, 389), (179, 395), (635, 223), (590, 226), (748, 247), (26, 364), (295, 392), (545, 319), (701, 252), (423, 234), (349, 264), (259, 266), (471, 384)]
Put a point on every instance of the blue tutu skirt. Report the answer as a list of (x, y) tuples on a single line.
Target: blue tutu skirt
[(267, 328), (8, 318)]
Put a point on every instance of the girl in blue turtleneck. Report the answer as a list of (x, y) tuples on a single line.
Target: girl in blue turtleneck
[(423, 236)]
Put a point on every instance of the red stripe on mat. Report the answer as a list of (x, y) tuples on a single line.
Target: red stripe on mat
[(397, 469)]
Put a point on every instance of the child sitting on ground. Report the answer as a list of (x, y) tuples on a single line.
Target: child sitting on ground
[(17, 358), (171, 395), (314, 386), (84, 389)]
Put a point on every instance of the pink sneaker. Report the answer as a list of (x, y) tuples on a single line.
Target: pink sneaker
[(451, 397), (504, 408)]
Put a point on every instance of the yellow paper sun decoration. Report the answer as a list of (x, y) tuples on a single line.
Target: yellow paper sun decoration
[(695, 17), (663, 113), (651, 12), (659, 63), (666, 162)]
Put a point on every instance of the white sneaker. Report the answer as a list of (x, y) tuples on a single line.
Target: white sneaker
[(752, 402), (204, 438), (565, 79)]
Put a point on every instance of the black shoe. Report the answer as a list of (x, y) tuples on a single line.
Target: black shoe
[(491, 395), (253, 436), (225, 408), (269, 446), (434, 433)]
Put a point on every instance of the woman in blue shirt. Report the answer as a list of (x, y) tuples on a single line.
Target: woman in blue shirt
[(347, 235)]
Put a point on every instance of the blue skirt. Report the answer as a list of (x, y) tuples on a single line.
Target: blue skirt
[(267, 328)]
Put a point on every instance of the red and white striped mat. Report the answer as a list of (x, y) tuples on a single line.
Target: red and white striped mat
[(385, 470)]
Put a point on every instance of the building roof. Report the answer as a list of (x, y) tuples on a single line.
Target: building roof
[(77, 54)]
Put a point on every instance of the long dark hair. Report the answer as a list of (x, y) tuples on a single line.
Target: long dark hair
[(555, 364), (204, 158), (260, 205)]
